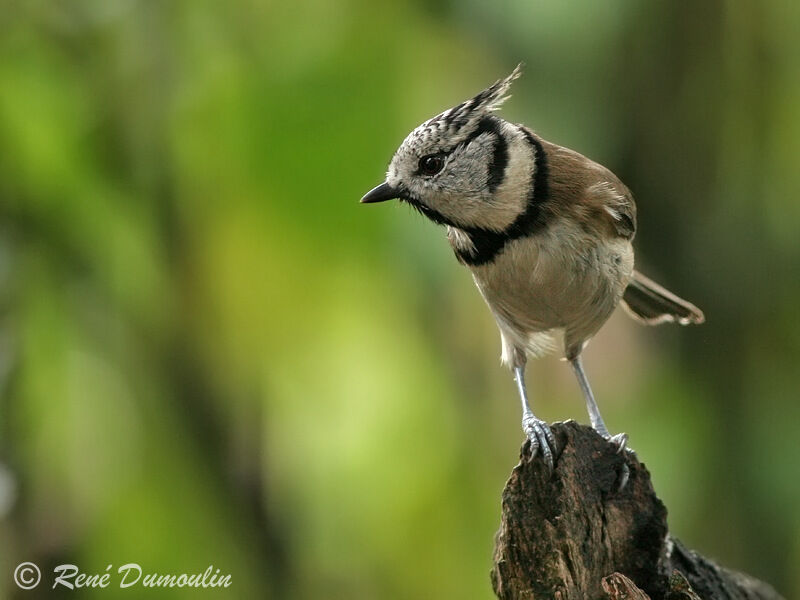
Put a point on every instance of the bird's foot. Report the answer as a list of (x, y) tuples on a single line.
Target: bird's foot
[(542, 439), (620, 441)]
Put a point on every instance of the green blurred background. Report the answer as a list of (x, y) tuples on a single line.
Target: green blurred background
[(210, 353)]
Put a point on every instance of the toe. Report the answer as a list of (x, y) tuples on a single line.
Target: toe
[(530, 432), (534, 447), (547, 455), (548, 433), (546, 445)]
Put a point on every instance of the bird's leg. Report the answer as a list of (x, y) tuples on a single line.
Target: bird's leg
[(621, 439), (537, 431), (591, 405)]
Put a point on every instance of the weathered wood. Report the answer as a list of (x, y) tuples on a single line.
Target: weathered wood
[(619, 587), (576, 536)]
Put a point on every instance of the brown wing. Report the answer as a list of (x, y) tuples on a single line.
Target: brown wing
[(614, 199), (589, 192)]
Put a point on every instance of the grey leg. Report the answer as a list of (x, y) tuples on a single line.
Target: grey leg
[(591, 405), (537, 431), (621, 439)]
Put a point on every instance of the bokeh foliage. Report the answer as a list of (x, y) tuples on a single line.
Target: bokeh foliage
[(211, 354)]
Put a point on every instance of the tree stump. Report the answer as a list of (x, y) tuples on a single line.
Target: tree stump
[(576, 536)]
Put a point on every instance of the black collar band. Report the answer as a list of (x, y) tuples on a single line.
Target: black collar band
[(488, 244)]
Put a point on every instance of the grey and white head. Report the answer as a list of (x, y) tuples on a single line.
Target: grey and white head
[(465, 167)]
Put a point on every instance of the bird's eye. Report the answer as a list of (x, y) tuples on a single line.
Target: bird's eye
[(431, 164)]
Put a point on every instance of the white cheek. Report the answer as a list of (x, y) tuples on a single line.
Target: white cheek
[(401, 176)]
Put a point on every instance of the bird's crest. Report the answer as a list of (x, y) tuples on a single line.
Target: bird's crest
[(447, 130), (486, 101), (453, 127)]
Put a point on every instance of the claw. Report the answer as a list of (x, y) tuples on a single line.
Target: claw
[(624, 474)]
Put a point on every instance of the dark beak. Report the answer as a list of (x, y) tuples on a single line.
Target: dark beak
[(382, 193)]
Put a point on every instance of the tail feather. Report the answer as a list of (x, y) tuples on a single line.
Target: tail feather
[(651, 304)]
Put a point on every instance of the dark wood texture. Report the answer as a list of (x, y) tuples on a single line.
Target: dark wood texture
[(576, 536)]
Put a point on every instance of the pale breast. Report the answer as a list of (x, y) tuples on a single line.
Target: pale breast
[(558, 280)]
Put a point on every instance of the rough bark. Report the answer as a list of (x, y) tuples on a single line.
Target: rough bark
[(576, 536)]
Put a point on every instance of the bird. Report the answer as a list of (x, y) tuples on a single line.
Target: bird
[(545, 232)]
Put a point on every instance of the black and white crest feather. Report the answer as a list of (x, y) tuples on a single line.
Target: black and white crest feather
[(471, 111), (460, 121), (455, 125)]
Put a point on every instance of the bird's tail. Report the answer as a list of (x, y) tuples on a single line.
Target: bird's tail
[(651, 304)]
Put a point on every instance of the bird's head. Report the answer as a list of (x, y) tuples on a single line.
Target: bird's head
[(464, 167)]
